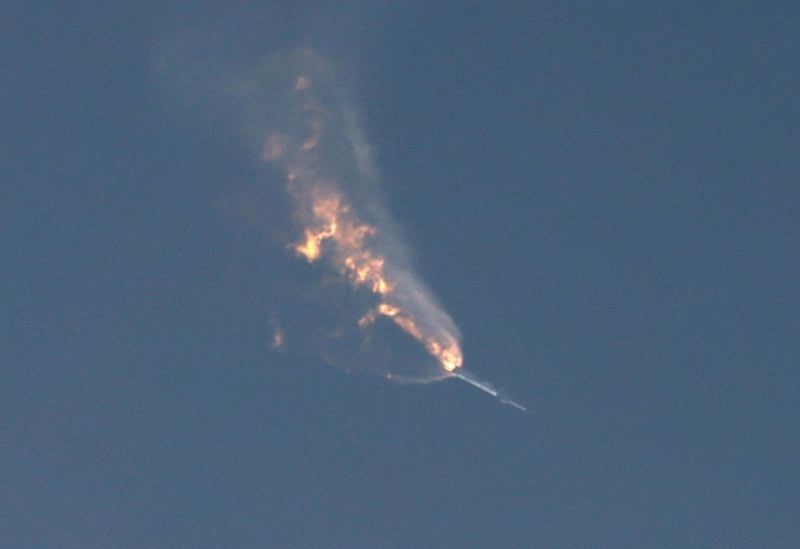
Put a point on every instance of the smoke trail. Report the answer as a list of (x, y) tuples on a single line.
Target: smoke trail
[(342, 223)]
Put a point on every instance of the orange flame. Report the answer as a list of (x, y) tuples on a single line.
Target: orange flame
[(331, 228)]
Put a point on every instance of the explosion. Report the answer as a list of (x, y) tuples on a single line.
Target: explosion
[(333, 230)]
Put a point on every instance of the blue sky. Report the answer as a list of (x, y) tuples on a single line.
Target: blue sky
[(603, 196)]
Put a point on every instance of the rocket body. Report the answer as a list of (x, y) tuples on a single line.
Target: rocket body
[(487, 387)]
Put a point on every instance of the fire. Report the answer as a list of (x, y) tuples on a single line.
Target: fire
[(333, 230), (334, 224)]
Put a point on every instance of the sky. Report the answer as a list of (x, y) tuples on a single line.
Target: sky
[(602, 196)]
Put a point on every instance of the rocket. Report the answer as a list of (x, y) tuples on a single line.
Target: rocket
[(487, 387)]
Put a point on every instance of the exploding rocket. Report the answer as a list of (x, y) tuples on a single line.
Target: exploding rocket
[(334, 230)]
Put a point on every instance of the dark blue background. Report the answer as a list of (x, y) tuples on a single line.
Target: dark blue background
[(604, 195)]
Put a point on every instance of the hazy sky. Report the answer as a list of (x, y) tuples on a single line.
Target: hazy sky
[(603, 196)]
